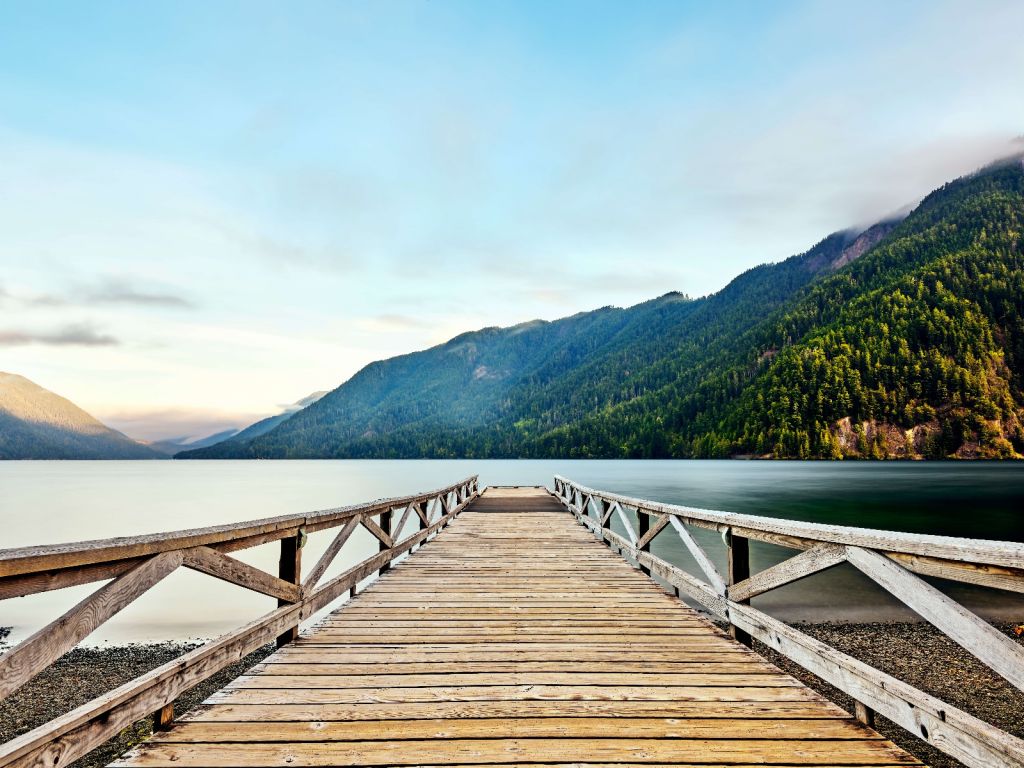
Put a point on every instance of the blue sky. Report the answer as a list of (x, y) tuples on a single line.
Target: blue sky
[(211, 209)]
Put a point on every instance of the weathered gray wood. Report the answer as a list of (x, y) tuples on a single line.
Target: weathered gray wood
[(978, 551), (290, 570), (968, 739), (642, 529), (66, 738), (31, 656), (29, 560), (213, 563), (63, 740), (811, 561), (674, 575), (626, 523), (961, 626), (698, 553), (739, 570), (33, 583), (396, 533), (314, 576), (381, 535), (652, 530)]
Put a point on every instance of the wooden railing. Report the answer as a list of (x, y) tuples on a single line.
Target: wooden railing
[(890, 559), (137, 563)]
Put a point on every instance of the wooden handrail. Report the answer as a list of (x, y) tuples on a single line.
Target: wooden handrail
[(888, 558), (997, 564), (137, 563)]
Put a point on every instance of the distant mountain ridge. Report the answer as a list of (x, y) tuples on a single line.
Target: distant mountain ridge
[(261, 427), (177, 444), (905, 339), (38, 424)]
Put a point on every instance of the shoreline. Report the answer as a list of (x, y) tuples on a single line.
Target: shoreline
[(911, 651)]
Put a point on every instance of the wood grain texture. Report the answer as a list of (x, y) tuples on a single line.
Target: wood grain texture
[(515, 637), (970, 740), (39, 560), (62, 740), (213, 563), (34, 654)]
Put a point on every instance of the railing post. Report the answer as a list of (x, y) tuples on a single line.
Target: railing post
[(739, 570), (864, 713), (385, 523), (643, 525), (289, 569), (163, 718)]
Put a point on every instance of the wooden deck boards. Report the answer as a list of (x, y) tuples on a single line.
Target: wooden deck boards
[(512, 638)]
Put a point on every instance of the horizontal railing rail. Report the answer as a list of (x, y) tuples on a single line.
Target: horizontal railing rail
[(890, 559), (131, 565)]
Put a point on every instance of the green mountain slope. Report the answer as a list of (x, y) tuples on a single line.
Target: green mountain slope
[(904, 340), (37, 424), (495, 391), (913, 350)]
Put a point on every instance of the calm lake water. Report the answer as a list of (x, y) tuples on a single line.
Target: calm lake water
[(51, 502)]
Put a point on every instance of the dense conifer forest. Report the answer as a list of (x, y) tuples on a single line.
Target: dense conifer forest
[(904, 340)]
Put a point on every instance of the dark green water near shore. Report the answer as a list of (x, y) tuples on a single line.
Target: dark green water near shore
[(51, 502)]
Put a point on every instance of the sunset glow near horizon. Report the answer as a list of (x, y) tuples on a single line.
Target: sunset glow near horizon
[(212, 210)]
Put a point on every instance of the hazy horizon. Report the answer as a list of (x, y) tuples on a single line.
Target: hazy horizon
[(201, 227)]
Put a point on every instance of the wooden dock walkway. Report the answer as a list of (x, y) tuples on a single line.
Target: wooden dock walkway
[(515, 637)]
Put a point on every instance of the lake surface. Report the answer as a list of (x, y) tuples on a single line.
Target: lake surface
[(52, 502)]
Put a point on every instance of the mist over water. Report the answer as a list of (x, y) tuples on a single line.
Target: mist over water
[(53, 502)]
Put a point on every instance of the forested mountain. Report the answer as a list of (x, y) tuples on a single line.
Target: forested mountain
[(906, 339), (37, 424)]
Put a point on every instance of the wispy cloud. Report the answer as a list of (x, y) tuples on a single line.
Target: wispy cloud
[(112, 292), (121, 292), (175, 423), (74, 335)]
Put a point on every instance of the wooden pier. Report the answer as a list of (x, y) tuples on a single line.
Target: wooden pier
[(515, 638), (512, 635)]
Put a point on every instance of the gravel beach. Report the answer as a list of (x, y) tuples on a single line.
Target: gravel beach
[(913, 652), (86, 673)]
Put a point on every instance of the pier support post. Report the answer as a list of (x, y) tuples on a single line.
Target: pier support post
[(385, 523), (163, 718), (864, 714), (739, 569), (290, 569), (643, 525)]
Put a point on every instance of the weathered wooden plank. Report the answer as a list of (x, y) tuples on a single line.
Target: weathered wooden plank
[(981, 551), (581, 677), (698, 554), (31, 656), (961, 626), (213, 563), (326, 666), (814, 560), (512, 693), (626, 523), (518, 710), (433, 751), (956, 733), (541, 727), (318, 570), (64, 739), (382, 536), (26, 560)]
